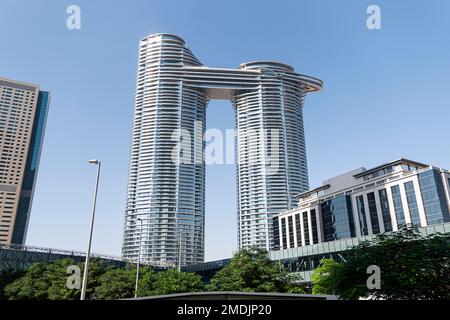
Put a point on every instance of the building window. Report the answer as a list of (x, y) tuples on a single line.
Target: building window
[(384, 203), (412, 203), (306, 228), (299, 230), (362, 215), (283, 232), (448, 183), (291, 232), (337, 218), (314, 226), (276, 234), (398, 206), (433, 196), (373, 213)]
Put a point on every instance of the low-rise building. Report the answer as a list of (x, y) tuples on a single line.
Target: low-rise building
[(389, 197)]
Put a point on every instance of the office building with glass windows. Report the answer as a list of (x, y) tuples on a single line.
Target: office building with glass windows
[(167, 193), (23, 115), (390, 197)]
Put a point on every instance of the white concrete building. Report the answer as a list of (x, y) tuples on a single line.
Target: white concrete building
[(395, 195)]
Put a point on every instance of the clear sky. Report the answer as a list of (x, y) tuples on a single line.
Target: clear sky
[(386, 94)]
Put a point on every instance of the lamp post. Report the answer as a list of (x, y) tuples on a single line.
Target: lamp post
[(88, 253), (139, 260)]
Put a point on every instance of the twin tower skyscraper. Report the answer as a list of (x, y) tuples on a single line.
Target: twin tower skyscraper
[(165, 209)]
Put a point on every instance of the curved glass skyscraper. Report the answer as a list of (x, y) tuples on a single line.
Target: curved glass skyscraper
[(165, 213)]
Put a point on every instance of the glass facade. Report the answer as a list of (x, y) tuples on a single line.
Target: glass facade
[(291, 232), (384, 203), (362, 215), (31, 168), (372, 207), (314, 226), (448, 180), (337, 217), (276, 234), (433, 196), (379, 173), (300, 258), (373, 212), (299, 230), (306, 228), (412, 203), (283, 228), (398, 206)]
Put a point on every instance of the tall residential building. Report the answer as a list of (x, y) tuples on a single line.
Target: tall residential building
[(23, 113), (173, 90), (390, 197)]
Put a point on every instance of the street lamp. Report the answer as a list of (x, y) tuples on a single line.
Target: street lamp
[(139, 259), (86, 264)]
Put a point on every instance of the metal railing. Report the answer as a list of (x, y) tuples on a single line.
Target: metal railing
[(56, 251)]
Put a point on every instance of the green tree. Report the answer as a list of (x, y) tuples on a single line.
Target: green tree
[(96, 268), (227, 279), (172, 281), (325, 276), (251, 270), (56, 276), (120, 283), (31, 286), (412, 267), (44, 281), (6, 278), (41, 281), (116, 284), (147, 278)]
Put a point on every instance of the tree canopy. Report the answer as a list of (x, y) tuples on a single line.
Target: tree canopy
[(44, 281), (412, 266), (251, 270), (173, 281), (48, 281), (118, 283)]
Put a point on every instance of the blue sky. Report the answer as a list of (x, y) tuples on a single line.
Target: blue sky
[(386, 93)]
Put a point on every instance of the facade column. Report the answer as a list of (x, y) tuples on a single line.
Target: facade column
[(446, 183), (280, 232), (302, 229), (356, 216), (288, 242), (379, 211), (310, 227), (405, 203), (419, 199), (294, 226), (367, 213), (320, 235), (391, 208)]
